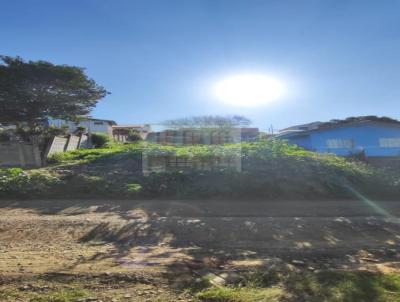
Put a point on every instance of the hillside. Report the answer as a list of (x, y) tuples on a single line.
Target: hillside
[(261, 170)]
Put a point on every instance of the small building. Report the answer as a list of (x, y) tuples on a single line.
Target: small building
[(91, 125), (372, 136), (121, 132)]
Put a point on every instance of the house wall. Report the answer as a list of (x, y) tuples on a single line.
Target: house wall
[(365, 137), (303, 141), (91, 126), (96, 126)]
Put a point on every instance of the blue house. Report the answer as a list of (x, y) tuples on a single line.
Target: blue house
[(370, 135)]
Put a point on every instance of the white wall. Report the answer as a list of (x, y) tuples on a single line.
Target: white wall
[(90, 125)]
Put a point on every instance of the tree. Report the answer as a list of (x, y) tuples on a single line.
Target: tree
[(33, 91), (209, 122)]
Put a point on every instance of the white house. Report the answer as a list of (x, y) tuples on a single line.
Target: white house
[(91, 125), (121, 132)]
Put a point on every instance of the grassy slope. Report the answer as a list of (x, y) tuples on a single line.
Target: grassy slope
[(270, 170)]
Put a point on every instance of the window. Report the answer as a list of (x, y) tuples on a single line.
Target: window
[(388, 142), (98, 123), (339, 143)]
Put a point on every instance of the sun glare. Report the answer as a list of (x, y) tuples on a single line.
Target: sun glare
[(249, 90)]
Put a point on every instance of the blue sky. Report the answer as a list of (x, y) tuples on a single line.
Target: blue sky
[(159, 59)]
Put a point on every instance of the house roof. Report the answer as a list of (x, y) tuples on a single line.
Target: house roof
[(307, 126), (80, 119), (359, 119), (292, 131), (131, 126), (99, 120)]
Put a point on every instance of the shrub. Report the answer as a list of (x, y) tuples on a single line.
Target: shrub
[(54, 131), (133, 188), (99, 140), (80, 130), (134, 136), (20, 183)]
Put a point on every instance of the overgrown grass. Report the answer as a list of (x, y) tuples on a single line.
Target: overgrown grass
[(266, 170), (311, 287), (231, 294), (80, 156)]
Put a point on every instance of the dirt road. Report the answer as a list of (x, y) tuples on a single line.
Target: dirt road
[(163, 243)]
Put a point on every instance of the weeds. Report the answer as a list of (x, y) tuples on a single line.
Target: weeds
[(70, 295), (267, 170), (311, 287)]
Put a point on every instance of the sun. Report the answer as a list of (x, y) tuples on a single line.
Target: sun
[(249, 90)]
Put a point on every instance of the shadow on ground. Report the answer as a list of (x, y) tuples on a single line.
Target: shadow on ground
[(221, 238)]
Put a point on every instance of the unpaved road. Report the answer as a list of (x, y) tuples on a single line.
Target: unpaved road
[(160, 245)]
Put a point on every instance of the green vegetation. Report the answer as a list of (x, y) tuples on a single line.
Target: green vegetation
[(265, 170), (325, 286), (100, 140), (134, 136), (230, 294), (61, 296), (66, 92)]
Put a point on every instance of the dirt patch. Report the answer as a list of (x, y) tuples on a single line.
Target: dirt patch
[(116, 250)]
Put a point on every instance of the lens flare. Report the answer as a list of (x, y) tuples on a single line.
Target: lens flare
[(249, 90)]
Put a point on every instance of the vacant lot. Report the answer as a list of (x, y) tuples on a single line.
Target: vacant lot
[(73, 250)]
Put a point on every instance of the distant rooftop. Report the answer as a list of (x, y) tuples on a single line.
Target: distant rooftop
[(309, 126), (132, 126), (86, 118), (100, 120), (336, 122), (358, 119)]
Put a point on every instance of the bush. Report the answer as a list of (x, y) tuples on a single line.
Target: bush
[(55, 131), (134, 136), (99, 140), (20, 183), (80, 130)]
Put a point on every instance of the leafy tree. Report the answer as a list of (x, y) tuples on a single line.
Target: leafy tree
[(31, 91), (208, 121)]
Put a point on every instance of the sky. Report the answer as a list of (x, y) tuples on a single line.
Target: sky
[(160, 59)]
